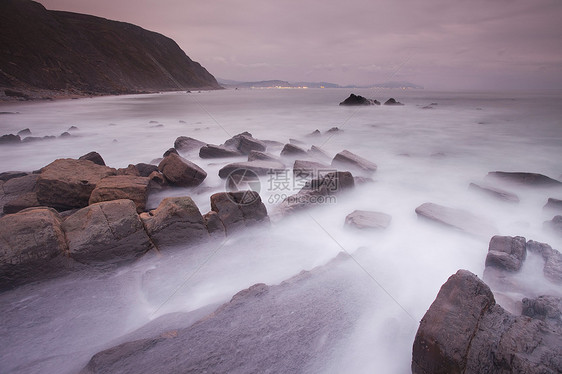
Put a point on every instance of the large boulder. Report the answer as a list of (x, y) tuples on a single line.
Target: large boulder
[(239, 209), (67, 183), (367, 220), (106, 232), (457, 218), (245, 143), (506, 252), (524, 178), (494, 192), (28, 241), (257, 167), (465, 331), (291, 150), (19, 194), (181, 172), (122, 187), (218, 151), (186, 144), (176, 221), (346, 159)]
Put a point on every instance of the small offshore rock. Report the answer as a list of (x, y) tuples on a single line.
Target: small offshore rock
[(495, 192), (358, 100), (217, 151), (187, 144), (10, 139), (392, 101)]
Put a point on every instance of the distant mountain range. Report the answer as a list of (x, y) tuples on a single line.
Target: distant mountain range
[(57, 53), (285, 84)]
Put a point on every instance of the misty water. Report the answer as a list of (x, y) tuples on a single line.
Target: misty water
[(423, 155)]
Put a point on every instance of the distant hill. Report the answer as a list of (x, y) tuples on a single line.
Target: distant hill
[(68, 53), (284, 84)]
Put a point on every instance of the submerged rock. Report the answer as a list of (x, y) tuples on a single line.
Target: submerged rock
[(10, 139), (526, 179), (363, 219), (465, 331), (347, 159), (358, 100), (555, 225), (495, 193), (181, 172)]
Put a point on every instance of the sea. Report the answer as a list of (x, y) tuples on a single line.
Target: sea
[(428, 150)]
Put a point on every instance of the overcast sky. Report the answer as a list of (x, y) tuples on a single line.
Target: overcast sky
[(440, 44)]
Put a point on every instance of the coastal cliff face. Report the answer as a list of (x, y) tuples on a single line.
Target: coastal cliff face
[(63, 52)]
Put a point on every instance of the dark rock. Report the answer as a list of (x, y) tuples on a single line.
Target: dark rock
[(146, 169), (7, 175), (333, 130), (122, 187), (19, 194), (10, 139), (495, 193), (28, 241), (506, 252), (545, 308), (245, 143), (358, 100), (262, 156), (186, 144), (67, 183), (24, 132), (526, 179), (107, 232), (362, 219), (130, 170), (346, 159), (555, 225), (65, 134), (176, 221), (465, 331), (457, 218), (30, 139), (72, 128), (392, 101), (181, 172), (14, 93), (170, 151), (94, 157), (239, 209), (292, 150), (214, 224), (318, 153), (217, 151), (552, 203), (552, 260), (258, 167), (315, 133)]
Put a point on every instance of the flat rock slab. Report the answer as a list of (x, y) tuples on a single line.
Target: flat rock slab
[(525, 179), (122, 187), (107, 232), (456, 218), (180, 172), (258, 167), (363, 219), (494, 192), (347, 159), (217, 151)]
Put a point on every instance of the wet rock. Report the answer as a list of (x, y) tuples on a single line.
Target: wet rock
[(358, 100), (181, 172), (146, 169), (217, 151), (130, 170), (122, 187), (65, 134), (19, 194), (186, 144), (304, 169), (318, 153), (465, 331), (296, 142), (258, 167), (10, 139), (346, 159), (30, 139), (67, 183), (94, 157), (24, 132), (392, 101), (523, 178), (7, 175), (239, 209), (214, 224), (262, 156), (316, 133), (363, 219), (106, 232), (552, 204), (456, 218), (506, 252), (495, 193), (554, 225), (245, 143), (170, 151), (546, 308), (28, 241), (292, 150), (552, 260), (176, 221)]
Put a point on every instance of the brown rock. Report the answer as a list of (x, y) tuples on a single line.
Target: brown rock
[(239, 209), (19, 194), (506, 252), (129, 170), (146, 169), (176, 221), (292, 150), (122, 187), (214, 224), (217, 151), (67, 184), (181, 172), (94, 157), (186, 144), (257, 167), (245, 143), (107, 232)]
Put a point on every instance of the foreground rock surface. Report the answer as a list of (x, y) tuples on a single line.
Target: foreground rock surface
[(122, 187), (465, 331), (181, 172), (239, 209), (107, 232)]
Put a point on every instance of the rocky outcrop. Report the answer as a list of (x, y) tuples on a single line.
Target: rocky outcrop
[(494, 192), (122, 187), (354, 100), (348, 160), (94, 157), (176, 221), (506, 252), (525, 179), (67, 183), (392, 101), (114, 57), (367, 220), (19, 193), (465, 331), (457, 218), (257, 167), (239, 209), (181, 172), (218, 151), (107, 232)]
